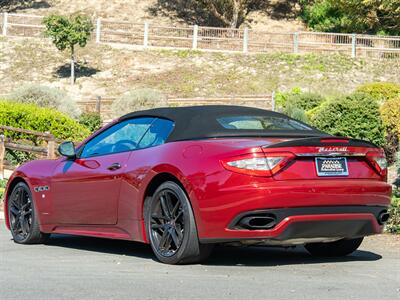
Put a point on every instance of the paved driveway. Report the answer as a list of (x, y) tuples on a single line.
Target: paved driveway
[(87, 268)]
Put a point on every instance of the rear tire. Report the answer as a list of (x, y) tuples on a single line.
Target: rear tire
[(171, 227), (22, 212), (334, 249)]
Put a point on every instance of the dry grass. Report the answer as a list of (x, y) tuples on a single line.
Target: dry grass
[(112, 72)]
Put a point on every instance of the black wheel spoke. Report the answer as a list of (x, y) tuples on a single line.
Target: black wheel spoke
[(175, 238), (165, 207), (14, 211)]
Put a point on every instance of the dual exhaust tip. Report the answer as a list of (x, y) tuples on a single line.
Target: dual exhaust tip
[(258, 222), (383, 217), (268, 221)]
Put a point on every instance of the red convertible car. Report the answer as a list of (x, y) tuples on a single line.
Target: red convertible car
[(184, 179)]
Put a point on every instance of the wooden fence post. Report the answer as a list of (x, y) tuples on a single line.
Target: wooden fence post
[(51, 147), (273, 101), (195, 36), (246, 40), (2, 155), (5, 23), (98, 104), (98, 30), (146, 35), (353, 45), (296, 42)]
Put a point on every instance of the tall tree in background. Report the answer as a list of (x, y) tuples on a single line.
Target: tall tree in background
[(67, 32), (224, 13), (231, 13)]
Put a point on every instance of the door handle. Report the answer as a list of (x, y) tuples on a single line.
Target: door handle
[(114, 167)]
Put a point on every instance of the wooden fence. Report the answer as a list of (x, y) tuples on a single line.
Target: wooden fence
[(102, 105), (218, 39), (48, 150)]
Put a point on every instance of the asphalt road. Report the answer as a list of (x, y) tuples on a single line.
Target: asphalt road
[(87, 268)]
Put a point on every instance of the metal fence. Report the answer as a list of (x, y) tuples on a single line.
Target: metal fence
[(218, 39)]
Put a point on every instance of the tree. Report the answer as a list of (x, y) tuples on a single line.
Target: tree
[(225, 13), (360, 16), (67, 32), (231, 13)]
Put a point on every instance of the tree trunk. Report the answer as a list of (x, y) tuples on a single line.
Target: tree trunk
[(72, 65), (235, 14)]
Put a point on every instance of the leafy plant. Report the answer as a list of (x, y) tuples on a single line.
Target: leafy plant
[(91, 121), (30, 116), (368, 16), (67, 32), (393, 225), (138, 100), (44, 96), (355, 116), (390, 112), (381, 91)]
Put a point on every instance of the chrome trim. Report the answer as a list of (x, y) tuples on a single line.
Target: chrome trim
[(331, 154)]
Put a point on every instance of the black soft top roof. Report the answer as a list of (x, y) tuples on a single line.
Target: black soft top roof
[(200, 122)]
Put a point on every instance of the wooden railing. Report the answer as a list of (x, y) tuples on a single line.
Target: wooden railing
[(245, 40), (48, 150), (102, 105)]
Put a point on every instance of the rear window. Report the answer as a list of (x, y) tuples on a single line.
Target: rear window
[(261, 123)]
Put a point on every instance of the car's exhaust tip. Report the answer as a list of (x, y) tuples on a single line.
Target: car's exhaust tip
[(258, 222), (383, 217)]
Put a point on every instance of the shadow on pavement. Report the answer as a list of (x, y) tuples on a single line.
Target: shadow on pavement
[(221, 256)]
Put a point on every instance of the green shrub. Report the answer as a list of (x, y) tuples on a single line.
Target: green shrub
[(381, 91), (393, 225), (305, 101), (390, 112), (138, 100), (30, 116), (44, 96), (91, 121), (354, 116)]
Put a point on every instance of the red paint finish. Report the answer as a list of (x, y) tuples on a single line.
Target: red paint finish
[(86, 198)]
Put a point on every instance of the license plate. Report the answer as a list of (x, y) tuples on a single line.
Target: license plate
[(331, 166)]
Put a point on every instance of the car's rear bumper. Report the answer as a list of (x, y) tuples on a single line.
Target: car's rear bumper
[(298, 225), (303, 209)]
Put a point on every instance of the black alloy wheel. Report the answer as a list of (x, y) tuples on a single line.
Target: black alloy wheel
[(167, 223), (171, 226), (22, 215)]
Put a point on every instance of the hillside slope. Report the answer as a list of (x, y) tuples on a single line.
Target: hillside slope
[(279, 17), (108, 71)]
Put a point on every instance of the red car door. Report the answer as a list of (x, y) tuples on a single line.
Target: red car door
[(86, 190)]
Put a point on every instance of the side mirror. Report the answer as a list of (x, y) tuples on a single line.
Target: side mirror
[(67, 149)]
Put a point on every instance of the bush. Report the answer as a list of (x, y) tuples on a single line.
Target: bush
[(393, 225), (390, 112), (305, 101), (44, 96), (3, 183), (30, 116), (91, 121), (354, 116), (138, 100), (380, 91)]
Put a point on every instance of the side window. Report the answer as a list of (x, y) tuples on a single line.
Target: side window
[(157, 133), (124, 136)]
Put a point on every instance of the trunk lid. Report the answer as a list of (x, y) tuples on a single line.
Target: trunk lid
[(320, 158)]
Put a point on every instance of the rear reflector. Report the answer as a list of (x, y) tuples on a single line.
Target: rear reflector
[(258, 164)]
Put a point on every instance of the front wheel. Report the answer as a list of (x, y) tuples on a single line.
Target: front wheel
[(171, 227), (334, 249), (24, 223)]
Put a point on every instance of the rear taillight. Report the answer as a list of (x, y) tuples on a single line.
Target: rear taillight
[(377, 160), (258, 164)]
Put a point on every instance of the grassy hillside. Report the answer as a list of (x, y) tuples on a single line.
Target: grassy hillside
[(110, 71)]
